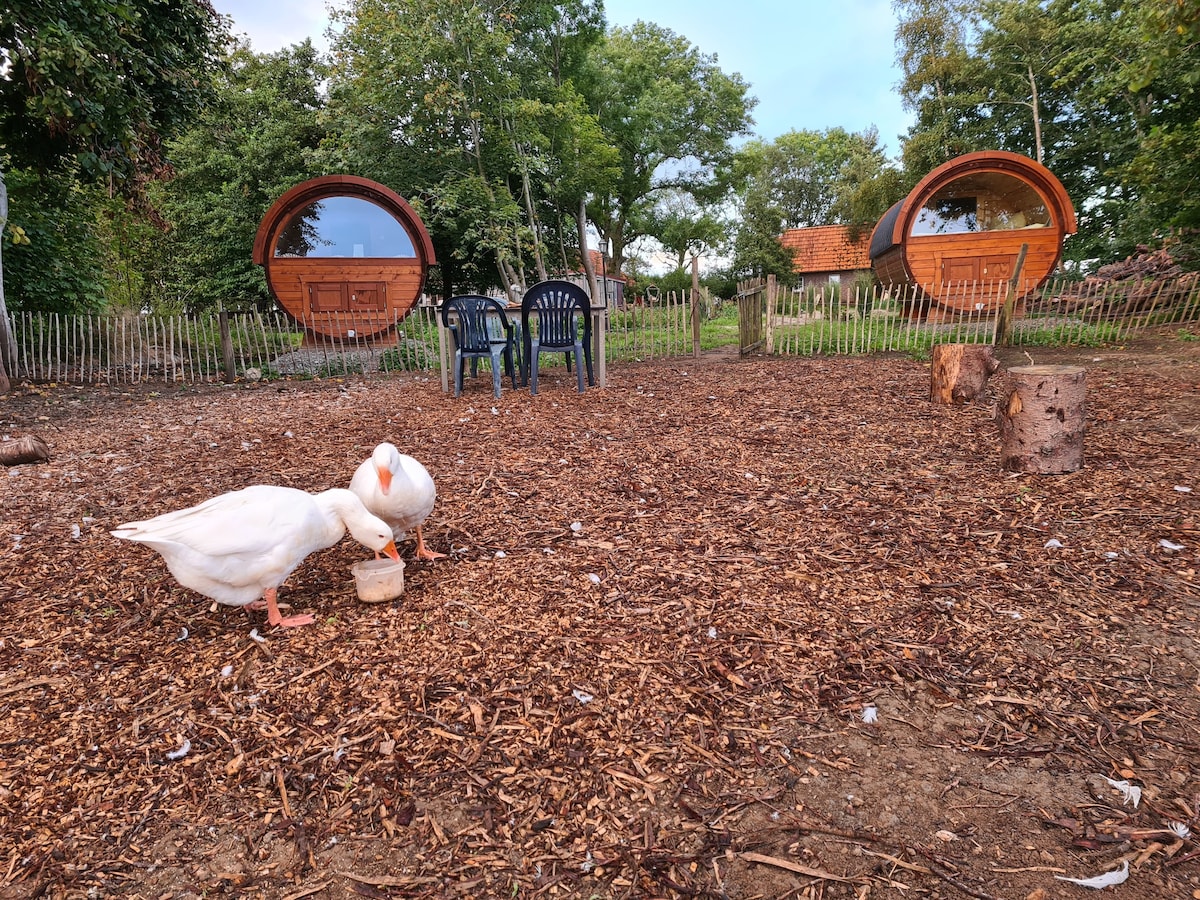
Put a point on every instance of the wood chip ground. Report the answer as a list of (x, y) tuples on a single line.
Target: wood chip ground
[(647, 666)]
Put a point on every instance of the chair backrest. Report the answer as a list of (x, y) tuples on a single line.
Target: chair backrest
[(479, 322), (559, 305)]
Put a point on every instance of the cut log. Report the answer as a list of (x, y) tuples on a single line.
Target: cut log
[(27, 449), (961, 372), (1042, 422)]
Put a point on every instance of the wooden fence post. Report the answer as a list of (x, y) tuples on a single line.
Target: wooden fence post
[(770, 315), (1004, 320), (226, 346)]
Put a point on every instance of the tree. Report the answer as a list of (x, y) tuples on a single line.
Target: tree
[(102, 83), (932, 49), (1103, 92), (1020, 48), (459, 107), (803, 179), (53, 256), (259, 137), (684, 228), (672, 114)]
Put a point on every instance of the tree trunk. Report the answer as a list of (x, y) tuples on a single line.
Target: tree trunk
[(1042, 423), (6, 350), (27, 449), (586, 258), (961, 372), (1037, 115)]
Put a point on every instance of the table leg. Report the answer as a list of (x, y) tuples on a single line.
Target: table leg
[(598, 362), (443, 354)]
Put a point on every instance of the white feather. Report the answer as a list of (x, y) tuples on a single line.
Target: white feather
[(1130, 793), (1116, 876)]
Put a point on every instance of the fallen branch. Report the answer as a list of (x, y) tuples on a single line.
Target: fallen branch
[(798, 869)]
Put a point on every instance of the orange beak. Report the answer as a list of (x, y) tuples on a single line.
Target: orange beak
[(391, 551), (385, 479)]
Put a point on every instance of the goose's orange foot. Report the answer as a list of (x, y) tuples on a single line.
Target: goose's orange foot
[(424, 552), (274, 617)]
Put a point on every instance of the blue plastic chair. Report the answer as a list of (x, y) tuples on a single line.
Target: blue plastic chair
[(480, 330), (556, 317)]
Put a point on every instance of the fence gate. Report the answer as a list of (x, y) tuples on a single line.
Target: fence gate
[(750, 298)]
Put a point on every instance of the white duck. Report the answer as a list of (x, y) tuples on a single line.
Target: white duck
[(399, 490), (239, 547)]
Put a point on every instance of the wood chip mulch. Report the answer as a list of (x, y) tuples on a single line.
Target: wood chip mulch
[(647, 668)]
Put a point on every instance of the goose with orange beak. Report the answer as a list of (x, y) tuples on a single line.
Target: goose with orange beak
[(399, 490), (239, 547)]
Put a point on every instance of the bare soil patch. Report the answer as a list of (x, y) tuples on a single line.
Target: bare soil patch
[(645, 669)]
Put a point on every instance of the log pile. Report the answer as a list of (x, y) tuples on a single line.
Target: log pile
[(1148, 279)]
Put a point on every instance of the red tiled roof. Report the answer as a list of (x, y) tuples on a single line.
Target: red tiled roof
[(598, 266), (827, 248)]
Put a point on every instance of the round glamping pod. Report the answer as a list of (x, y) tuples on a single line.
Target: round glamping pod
[(344, 256), (958, 234)]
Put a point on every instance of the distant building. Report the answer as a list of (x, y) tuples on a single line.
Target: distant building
[(613, 285), (826, 255)]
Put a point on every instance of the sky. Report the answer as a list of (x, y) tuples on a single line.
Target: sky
[(812, 66)]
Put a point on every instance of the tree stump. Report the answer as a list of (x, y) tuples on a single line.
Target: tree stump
[(960, 372), (27, 449), (1042, 424)]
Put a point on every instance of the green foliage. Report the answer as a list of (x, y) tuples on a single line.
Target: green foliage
[(51, 247), (258, 139), (470, 111), (101, 82), (665, 329), (1096, 334), (1104, 92), (679, 281), (878, 334), (684, 227), (803, 179), (672, 113)]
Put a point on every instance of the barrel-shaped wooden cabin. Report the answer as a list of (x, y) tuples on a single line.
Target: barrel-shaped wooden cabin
[(344, 256), (958, 234)]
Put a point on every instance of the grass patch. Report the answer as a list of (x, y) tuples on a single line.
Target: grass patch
[(648, 332)]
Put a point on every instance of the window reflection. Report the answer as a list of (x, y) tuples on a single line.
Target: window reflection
[(989, 201), (344, 227)]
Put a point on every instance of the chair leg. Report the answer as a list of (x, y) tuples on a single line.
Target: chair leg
[(459, 362), (497, 371), (587, 358), (579, 369), (512, 366), (531, 366)]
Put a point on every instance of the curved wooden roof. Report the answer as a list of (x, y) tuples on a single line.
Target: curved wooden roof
[(302, 194), (891, 230)]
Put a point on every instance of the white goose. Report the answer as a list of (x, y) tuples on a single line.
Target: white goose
[(399, 490), (238, 548)]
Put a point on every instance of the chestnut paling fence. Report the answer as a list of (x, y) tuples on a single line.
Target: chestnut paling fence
[(763, 318)]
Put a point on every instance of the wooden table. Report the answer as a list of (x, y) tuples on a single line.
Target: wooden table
[(599, 327)]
